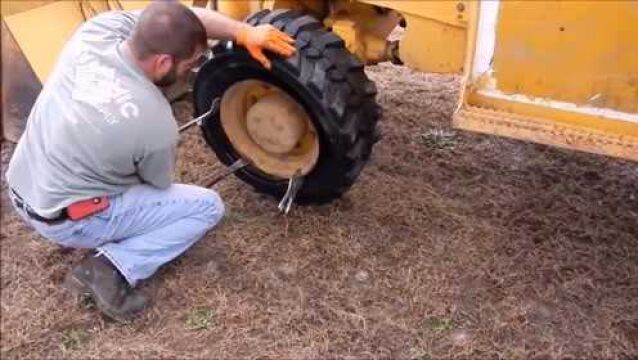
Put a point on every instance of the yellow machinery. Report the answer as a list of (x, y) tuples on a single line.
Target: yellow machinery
[(563, 73), (556, 72)]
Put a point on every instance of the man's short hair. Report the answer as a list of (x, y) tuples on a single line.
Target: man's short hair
[(168, 27)]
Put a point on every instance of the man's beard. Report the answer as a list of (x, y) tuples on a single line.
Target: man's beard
[(169, 79)]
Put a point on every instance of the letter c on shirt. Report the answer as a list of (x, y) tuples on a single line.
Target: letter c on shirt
[(129, 109)]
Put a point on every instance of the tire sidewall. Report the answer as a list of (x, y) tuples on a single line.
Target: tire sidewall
[(233, 63)]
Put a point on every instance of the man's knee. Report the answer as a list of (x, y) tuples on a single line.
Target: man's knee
[(214, 207), (204, 204)]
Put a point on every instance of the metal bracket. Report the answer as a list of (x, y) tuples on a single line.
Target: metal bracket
[(214, 108), (237, 165), (294, 185)]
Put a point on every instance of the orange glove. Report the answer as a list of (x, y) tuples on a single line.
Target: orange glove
[(265, 37)]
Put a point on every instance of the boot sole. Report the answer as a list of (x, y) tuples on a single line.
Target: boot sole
[(78, 288)]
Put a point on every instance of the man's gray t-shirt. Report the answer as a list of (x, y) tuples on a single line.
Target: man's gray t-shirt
[(98, 127)]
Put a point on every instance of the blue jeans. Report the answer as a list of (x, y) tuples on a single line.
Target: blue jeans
[(143, 228)]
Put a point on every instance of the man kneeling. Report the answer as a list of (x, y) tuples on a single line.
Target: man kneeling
[(94, 166)]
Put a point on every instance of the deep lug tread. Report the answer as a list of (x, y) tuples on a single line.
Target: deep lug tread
[(338, 106), (354, 100), (302, 43), (370, 88), (303, 23), (355, 170), (339, 96), (318, 78), (280, 25), (254, 19), (314, 53), (350, 128), (354, 64), (294, 63), (275, 16), (357, 150), (336, 75), (328, 40), (377, 136)]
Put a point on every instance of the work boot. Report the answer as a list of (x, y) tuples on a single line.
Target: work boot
[(99, 279)]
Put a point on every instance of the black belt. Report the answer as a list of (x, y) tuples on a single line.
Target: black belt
[(19, 202)]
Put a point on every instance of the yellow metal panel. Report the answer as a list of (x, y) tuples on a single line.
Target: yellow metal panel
[(585, 52), (562, 73), (199, 3), (42, 32), (141, 4), (20, 88), (470, 47), (238, 9), (316, 8), (10, 7), (134, 4), (364, 29), (436, 38), (431, 46), (449, 12)]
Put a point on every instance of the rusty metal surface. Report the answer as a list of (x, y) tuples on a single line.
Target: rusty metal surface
[(546, 131)]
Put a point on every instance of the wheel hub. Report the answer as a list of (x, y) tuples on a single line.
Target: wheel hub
[(276, 124), (269, 128)]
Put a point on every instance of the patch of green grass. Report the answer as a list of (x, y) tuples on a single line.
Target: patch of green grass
[(235, 216), (200, 319), (86, 302), (439, 324), (438, 139), (420, 354), (73, 339)]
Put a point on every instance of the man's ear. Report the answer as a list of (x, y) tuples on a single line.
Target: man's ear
[(163, 64)]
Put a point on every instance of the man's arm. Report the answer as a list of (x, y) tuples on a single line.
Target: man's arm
[(256, 39), (218, 26), (156, 168)]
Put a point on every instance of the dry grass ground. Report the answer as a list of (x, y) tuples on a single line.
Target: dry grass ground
[(451, 245)]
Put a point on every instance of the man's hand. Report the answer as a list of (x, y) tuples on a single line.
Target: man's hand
[(265, 37), (255, 39)]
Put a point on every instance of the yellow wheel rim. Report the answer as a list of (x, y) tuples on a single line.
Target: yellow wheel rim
[(269, 128)]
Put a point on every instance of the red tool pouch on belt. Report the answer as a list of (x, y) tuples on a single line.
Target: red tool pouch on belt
[(85, 208)]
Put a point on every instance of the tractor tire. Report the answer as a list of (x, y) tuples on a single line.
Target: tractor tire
[(325, 78)]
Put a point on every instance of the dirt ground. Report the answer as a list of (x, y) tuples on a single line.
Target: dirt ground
[(451, 245)]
